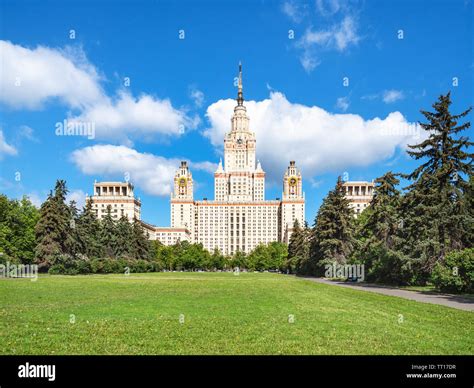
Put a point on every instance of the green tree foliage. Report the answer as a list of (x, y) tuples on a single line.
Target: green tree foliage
[(17, 230), (456, 273), (139, 240), (298, 249), (377, 235), (124, 234), (53, 230), (108, 235), (436, 206), (88, 232), (217, 260), (332, 238)]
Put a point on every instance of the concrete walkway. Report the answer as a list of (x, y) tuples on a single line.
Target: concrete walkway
[(454, 301)]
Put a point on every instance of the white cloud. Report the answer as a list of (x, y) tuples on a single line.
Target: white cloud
[(339, 37), (293, 10), (390, 96), (5, 148), (35, 199), (77, 196), (197, 96), (342, 103), (128, 117), (309, 61), (387, 96), (153, 174), (318, 140), (27, 133), (328, 7), (204, 166), (31, 77)]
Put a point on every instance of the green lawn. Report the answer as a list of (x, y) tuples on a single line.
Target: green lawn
[(223, 314)]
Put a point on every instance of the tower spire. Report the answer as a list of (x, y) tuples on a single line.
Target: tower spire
[(240, 94)]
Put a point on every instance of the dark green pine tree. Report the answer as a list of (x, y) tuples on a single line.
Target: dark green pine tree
[(108, 235), (88, 232), (140, 243), (298, 248), (125, 235), (294, 246), (48, 244), (53, 230), (73, 243), (332, 237), (378, 235), (436, 205), (64, 216), (383, 220)]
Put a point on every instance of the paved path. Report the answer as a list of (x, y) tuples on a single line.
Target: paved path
[(454, 301)]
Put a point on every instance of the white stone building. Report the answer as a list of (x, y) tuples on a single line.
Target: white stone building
[(239, 218), (119, 195), (359, 194)]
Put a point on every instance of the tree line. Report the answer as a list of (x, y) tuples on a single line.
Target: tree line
[(61, 239), (422, 233)]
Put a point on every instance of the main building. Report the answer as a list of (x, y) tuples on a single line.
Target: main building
[(239, 218)]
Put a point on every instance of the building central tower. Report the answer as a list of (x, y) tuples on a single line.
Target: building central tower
[(239, 218), (242, 177)]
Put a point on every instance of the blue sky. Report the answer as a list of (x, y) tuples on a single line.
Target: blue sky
[(335, 85)]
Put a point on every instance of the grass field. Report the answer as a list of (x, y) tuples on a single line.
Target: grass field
[(223, 314)]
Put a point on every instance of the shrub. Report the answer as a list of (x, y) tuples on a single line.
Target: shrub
[(456, 273)]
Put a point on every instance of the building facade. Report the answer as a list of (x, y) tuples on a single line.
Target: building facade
[(120, 197), (359, 194), (239, 218)]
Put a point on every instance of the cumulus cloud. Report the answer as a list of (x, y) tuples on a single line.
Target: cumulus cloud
[(153, 174), (127, 117), (318, 140), (31, 77), (5, 148)]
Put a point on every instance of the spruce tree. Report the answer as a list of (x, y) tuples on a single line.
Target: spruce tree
[(436, 205), (378, 235), (48, 238), (88, 232), (332, 237), (73, 244), (53, 230), (140, 243), (125, 235), (383, 219), (108, 237), (298, 248)]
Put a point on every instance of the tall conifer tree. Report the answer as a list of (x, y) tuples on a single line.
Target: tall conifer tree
[(332, 237), (436, 206)]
